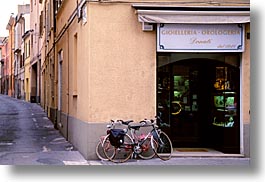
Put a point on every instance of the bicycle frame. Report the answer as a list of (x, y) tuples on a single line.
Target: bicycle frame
[(138, 143)]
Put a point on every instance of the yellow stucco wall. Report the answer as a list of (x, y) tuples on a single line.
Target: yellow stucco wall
[(27, 80), (246, 79), (116, 66), (48, 58), (123, 61), (63, 46)]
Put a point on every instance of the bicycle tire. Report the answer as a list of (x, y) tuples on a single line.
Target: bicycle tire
[(122, 153), (147, 150), (164, 146), (100, 150)]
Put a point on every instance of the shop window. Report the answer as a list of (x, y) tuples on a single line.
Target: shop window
[(225, 98)]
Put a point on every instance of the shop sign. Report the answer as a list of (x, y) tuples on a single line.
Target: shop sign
[(200, 38)]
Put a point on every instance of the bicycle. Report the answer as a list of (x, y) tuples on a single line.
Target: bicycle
[(134, 144), (104, 144), (155, 142)]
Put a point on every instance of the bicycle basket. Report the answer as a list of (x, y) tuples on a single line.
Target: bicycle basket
[(116, 137)]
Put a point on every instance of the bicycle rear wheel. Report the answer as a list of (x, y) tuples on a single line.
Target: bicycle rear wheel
[(164, 146), (100, 150), (122, 153), (147, 150)]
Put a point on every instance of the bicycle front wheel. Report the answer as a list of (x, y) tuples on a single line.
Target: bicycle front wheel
[(104, 149), (162, 146), (121, 153), (104, 145)]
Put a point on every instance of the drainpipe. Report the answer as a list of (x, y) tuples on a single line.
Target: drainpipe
[(68, 92), (54, 59)]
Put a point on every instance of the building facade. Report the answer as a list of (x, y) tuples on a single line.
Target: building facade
[(10, 56), (34, 81), (87, 62), (123, 60), (21, 49), (21, 53), (4, 66), (1, 64), (27, 67), (47, 57)]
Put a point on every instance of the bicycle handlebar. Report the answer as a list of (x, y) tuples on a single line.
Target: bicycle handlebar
[(143, 123), (152, 122)]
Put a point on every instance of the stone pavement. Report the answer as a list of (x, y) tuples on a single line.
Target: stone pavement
[(28, 137), (180, 161)]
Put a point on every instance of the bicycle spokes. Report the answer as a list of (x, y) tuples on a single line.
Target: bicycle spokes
[(164, 147)]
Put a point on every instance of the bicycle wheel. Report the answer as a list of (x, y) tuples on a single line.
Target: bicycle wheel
[(147, 150), (122, 153), (164, 146), (100, 150), (108, 149)]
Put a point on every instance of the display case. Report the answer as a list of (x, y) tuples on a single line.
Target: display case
[(225, 109)]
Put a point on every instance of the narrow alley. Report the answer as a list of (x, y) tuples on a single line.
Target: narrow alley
[(27, 137)]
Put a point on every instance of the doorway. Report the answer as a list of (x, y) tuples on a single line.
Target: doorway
[(198, 99), (33, 92)]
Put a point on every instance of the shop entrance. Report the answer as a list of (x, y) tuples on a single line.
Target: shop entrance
[(198, 99)]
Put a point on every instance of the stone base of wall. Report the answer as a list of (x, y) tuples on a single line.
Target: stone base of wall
[(246, 140), (83, 135), (53, 117), (37, 99), (62, 123)]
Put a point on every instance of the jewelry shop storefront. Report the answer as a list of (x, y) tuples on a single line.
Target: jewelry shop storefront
[(202, 74)]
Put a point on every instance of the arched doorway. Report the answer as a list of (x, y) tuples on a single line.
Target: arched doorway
[(198, 99)]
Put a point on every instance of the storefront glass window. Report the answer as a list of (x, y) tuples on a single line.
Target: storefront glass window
[(225, 99), (197, 97)]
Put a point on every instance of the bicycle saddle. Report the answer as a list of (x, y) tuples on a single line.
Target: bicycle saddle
[(126, 122), (135, 126)]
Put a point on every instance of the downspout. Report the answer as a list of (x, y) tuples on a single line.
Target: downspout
[(55, 62), (39, 84), (68, 92)]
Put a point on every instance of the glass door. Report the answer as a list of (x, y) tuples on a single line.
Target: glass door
[(185, 105), (178, 101)]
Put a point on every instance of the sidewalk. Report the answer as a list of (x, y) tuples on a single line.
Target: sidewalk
[(176, 161), (60, 158)]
